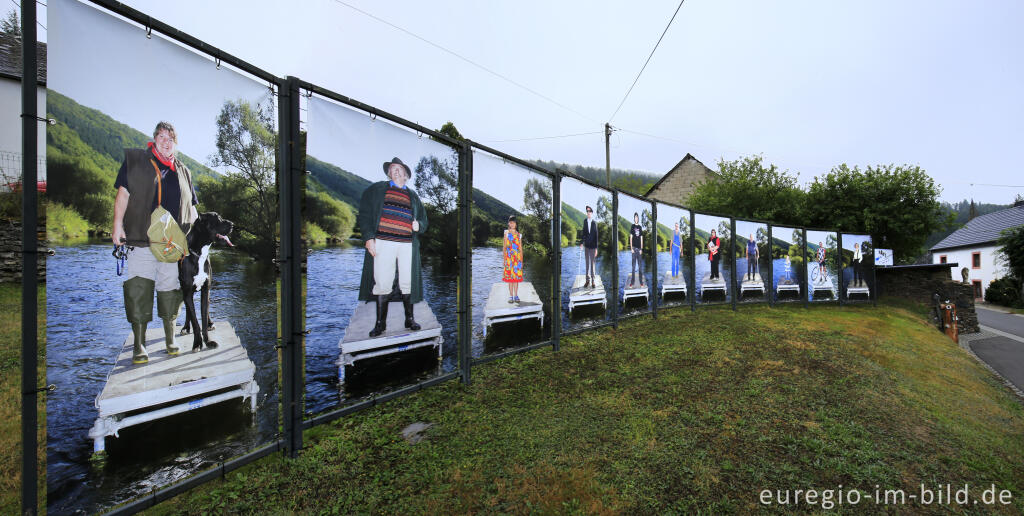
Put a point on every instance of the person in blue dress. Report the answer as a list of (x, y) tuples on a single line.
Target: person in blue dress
[(676, 250)]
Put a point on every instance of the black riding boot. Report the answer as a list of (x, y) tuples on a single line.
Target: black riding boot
[(409, 321), (382, 316)]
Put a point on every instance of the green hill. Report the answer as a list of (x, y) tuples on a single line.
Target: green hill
[(102, 134), (576, 216), (633, 181)]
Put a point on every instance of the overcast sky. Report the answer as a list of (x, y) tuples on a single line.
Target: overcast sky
[(808, 84)]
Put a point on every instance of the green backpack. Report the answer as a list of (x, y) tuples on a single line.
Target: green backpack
[(166, 239)]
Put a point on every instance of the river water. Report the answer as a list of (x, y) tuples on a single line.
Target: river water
[(664, 266), (779, 273), (86, 327)]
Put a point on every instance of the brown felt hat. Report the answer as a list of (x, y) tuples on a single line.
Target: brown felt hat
[(396, 161)]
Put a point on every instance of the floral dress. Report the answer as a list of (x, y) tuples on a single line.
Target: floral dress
[(513, 258)]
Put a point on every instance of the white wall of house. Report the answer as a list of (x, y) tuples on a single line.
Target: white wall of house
[(10, 124), (990, 268)]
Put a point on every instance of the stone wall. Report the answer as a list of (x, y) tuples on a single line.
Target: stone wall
[(10, 250), (921, 282), (679, 183)]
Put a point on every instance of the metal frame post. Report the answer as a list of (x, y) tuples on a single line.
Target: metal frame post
[(556, 256), (806, 281), (615, 258), (465, 262), (692, 251), (771, 268), (29, 260), (654, 258), (874, 280), (839, 258), (290, 171), (732, 258)]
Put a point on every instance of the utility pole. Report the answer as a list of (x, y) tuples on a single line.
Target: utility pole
[(607, 154)]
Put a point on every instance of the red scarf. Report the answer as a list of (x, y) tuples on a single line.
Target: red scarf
[(159, 157)]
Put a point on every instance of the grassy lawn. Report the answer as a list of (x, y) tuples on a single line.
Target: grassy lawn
[(10, 389), (689, 413)]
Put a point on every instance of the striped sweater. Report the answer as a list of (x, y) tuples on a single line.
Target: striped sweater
[(395, 216)]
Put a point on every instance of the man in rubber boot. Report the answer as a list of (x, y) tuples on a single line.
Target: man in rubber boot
[(136, 199), (391, 218)]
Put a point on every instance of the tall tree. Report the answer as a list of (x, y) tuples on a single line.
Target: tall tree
[(747, 188), (247, 144), (436, 182), (11, 26), (1011, 253)]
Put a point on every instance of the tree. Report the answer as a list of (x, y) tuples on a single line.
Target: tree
[(603, 212), (11, 26), (1011, 254), (897, 205), (746, 188), (247, 144), (436, 183), (537, 198)]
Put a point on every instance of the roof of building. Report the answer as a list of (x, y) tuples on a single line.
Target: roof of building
[(983, 229), (673, 169), (10, 59)]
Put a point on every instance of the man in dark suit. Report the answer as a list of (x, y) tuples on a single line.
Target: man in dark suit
[(589, 245)]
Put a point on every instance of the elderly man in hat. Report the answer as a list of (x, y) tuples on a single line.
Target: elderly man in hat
[(391, 218)]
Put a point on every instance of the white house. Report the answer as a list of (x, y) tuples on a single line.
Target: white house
[(10, 106), (974, 247)]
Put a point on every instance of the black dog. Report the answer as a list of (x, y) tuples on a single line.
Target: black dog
[(194, 273)]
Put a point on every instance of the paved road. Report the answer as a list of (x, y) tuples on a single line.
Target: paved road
[(1003, 353), (1010, 323)]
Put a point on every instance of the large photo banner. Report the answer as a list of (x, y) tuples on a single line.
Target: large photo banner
[(788, 271), (822, 267), (512, 255), (587, 257), (380, 222), (161, 295), (636, 261), (674, 253), (713, 261), (858, 267), (752, 255)]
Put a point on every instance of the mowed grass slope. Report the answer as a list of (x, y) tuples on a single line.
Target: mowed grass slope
[(691, 412), (10, 390)]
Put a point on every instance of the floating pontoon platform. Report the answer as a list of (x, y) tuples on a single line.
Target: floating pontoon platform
[(752, 285), (499, 310), (632, 289), (787, 285), (356, 343), (673, 284), (579, 296), (861, 288), (825, 286), (709, 285), (169, 385)]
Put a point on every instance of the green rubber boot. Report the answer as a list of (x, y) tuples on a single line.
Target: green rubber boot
[(168, 304), (138, 308)]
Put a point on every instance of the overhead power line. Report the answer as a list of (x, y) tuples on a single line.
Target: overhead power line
[(647, 61), (545, 137), (467, 60)]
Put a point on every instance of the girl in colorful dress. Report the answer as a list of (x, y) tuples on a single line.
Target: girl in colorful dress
[(512, 250)]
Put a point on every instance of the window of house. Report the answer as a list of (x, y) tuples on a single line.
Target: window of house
[(977, 289), (942, 259), (976, 260)]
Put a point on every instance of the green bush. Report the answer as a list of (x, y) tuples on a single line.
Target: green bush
[(1004, 291), (63, 223), (313, 234)]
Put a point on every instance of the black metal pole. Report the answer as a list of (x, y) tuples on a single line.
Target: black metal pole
[(732, 258), (806, 280), (653, 285), (29, 259), (289, 166), (692, 251), (874, 281), (839, 257), (465, 263), (614, 229), (556, 247), (770, 287)]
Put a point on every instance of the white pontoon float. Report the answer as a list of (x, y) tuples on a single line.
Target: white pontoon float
[(788, 285), (633, 289), (712, 285), (580, 296), (752, 285), (860, 288), (499, 310), (673, 284), (169, 385), (356, 344)]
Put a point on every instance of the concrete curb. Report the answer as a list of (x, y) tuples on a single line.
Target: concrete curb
[(986, 332)]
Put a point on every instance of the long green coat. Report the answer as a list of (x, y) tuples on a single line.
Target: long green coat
[(370, 206)]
